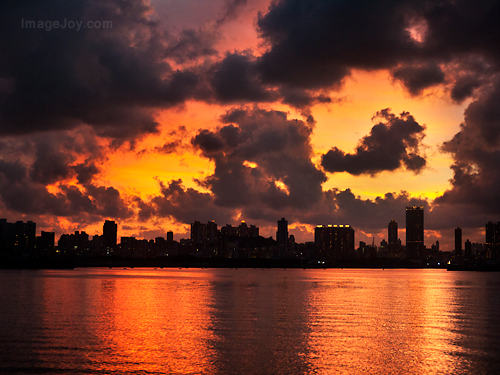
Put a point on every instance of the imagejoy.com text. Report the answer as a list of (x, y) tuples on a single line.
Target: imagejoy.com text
[(49, 25)]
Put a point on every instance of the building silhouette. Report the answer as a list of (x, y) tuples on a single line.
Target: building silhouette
[(18, 239), (468, 250), (415, 232), (334, 242), (492, 240), (458, 242), (393, 246), (19, 243), (282, 238), (204, 238), (109, 236), (45, 243)]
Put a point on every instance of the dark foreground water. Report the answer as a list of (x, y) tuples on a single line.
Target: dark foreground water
[(249, 321)]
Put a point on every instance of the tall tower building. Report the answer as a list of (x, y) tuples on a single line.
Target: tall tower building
[(468, 250), (415, 232), (109, 235), (282, 238), (392, 234), (493, 239), (458, 242)]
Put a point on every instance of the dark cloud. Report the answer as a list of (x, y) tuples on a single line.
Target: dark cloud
[(191, 45), (392, 143), (13, 171), (483, 116), (208, 142), (235, 79), (110, 78), (418, 78), (464, 88), (301, 99), (317, 44), (57, 159), (183, 204), (89, 204), (261, 158), (51, 164), (476, 153), (85, 172), (108, 201)]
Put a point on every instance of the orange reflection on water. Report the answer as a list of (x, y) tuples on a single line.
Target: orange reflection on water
[(381, 321), (224, 321), (141, 321), (158, 322)]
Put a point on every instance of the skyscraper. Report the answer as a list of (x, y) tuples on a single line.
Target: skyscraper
[(468, 250), (109, 235), (282, 238), (415, 232), (493, 239), (392, 234), (458, 242)]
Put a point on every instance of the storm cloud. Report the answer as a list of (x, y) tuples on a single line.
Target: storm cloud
[(476, 153), (317, 44), (112, 78), (393, 142)]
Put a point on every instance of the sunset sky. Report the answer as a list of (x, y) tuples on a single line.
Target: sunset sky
[(322, 112)]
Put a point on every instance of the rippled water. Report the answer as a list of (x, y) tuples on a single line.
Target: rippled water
[(249, 321)]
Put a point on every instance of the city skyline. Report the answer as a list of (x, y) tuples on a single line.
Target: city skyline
[(157, 113), (323, 235)]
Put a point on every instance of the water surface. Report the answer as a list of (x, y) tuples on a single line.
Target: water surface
[(249, 321)]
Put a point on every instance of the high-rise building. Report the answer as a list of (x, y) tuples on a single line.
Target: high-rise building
[(468, 250), (243, 229), (282, 238), (198, 238), (393, 232), (204, 238), (458, 242), (393, 245), (415, 232), (170, 236), (46, 242), (493, 240), (109, 236), (197, 230), (334, 242)]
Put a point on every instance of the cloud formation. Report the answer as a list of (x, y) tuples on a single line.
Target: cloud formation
[(38, 175), (393, 142), (476, 153), (261, 157), (111, 78), (316, 45)]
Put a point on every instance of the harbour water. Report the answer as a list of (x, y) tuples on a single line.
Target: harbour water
[(249, 321)]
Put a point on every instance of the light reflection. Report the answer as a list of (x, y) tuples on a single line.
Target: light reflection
[(250, 321), (369, 320), (157, 324)]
